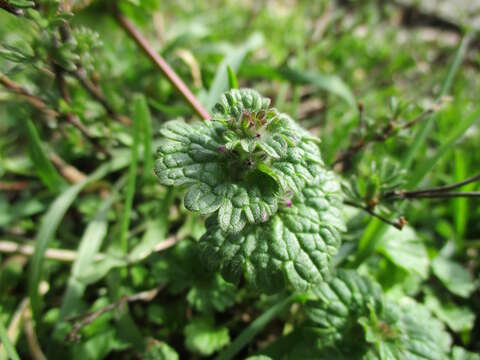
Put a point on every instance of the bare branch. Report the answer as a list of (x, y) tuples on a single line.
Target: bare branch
[(167, 71), (33, 100)]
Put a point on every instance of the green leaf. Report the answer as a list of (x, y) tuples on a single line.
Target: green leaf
[(44, 168), (160, 350), (405, 249), (204, 338), (293, 249), (458, 318), (215, 294), (454, 276)]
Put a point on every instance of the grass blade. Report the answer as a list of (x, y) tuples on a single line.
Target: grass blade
[(43, 166), (142, 114), (232, 78), (131, 183), (456, 133), (12, 353), (89, 246), (254, 328), (329, 83), (233, 59), (460, 205), (427, 125), (50, 222)]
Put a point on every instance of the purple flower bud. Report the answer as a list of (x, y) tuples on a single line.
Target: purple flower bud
[(221, 148), (288, 203)]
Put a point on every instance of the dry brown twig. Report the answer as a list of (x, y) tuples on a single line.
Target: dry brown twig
[(63, 255)]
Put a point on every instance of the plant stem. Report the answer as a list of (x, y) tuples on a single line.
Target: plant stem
[(167, 71)]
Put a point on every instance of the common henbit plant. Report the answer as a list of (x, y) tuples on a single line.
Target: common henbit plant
[(275, 211)]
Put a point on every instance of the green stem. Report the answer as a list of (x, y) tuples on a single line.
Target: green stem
[(247, 335)]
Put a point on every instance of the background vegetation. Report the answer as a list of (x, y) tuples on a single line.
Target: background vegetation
[(98, 261)]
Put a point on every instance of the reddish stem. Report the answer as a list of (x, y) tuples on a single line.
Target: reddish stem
[(163, 66)]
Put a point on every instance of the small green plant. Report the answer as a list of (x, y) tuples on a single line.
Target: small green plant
[(275, 212)]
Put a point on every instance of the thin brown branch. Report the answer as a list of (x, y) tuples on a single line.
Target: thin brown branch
[(69, 172), (85, 319), (33, 100), (13, 185), (167, 71), (398, 224)]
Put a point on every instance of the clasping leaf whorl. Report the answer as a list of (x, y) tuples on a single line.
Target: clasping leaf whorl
[(275, 211)]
